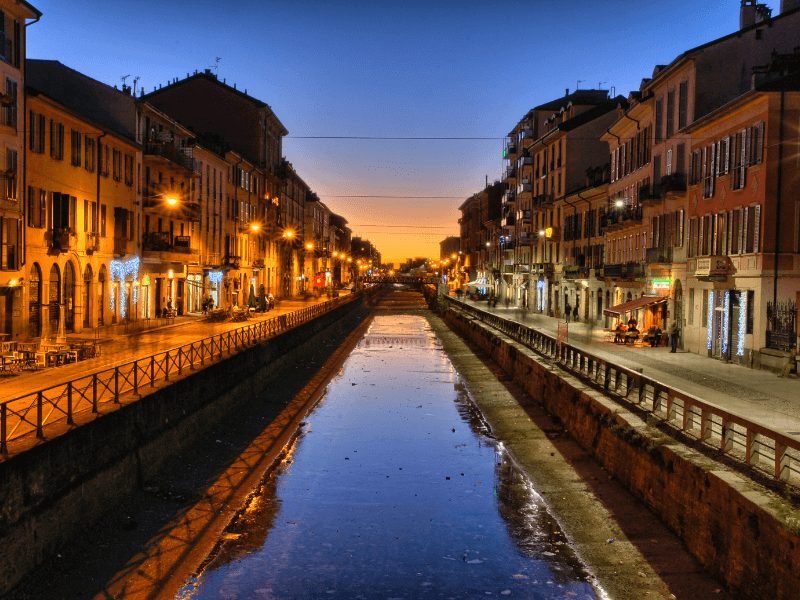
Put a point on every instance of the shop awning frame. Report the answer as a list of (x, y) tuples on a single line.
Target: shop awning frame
[(632, 305)]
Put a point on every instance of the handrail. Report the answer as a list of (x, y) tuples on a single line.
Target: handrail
[(31, 412), (743, 441)]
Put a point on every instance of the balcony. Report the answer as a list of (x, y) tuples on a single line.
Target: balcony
[(510, 149), (674, 183), (258, 263), (617, 218), (524, 186), (510, 197), (658, 256), (526, 238), (542, 199), (511, 171), (509, 220), (92, 243), (62, 240), (525, 160), (625, 271), (182, 157), (508, 246), (166, 248), (232, 261), (526, 133), (122, 246), (573, 272)]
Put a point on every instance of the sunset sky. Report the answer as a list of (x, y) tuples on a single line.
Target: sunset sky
[(342, 70)]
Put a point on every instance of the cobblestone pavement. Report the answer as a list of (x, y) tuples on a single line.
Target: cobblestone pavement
[(758, 395), (116, 348)]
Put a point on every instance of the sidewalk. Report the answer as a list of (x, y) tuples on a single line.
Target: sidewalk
[(760, 396), (117, 347)]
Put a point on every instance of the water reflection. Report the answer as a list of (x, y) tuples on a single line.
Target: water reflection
[(395, 489)]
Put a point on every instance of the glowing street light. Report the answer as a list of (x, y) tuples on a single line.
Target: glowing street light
[(309, 246), (288, 234), (172, 200)]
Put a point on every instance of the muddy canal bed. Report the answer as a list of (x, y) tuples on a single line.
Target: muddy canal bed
[(394, 489)]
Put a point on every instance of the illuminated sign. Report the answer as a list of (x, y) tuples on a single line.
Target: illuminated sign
[(662, 284)]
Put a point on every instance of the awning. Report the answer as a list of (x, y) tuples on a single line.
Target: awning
[(631, 305)]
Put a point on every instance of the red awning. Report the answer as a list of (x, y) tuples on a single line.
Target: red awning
[(631, 305)]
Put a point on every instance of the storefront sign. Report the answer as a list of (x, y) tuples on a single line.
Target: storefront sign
[(662, 284)]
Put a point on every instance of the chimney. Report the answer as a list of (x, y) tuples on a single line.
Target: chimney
[(787, 5), (747, 14), (566, 92)]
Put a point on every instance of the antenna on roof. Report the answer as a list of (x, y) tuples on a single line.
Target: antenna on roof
[(578, 85), (600, 84), (135, 81)]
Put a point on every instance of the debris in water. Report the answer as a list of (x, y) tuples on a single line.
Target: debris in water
[(611, 540)]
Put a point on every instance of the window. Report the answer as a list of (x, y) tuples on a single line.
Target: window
[(751, 300), (9, 190), (704, 313), (756, 142), (739, 166), (116, 163), (709, 175), (752, 226), (36, 128), (9, 244), (691, 306), (668, 168), (102, 220), (104, 158), (56, 140), (670, 113), (75, 148), (129, 170), (10, 104), (88, 159), (683, 104), (36, 207), (62, 211), (659, 119)]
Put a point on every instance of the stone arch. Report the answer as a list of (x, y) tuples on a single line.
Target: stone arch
[(54, 299), (87, 296), (69, 297), (35, 301)]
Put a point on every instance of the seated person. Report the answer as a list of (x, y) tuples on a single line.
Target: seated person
[(655, 340), (619, 333), (632, 334)]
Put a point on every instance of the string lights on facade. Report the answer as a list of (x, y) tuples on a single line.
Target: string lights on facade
[(121, 270)]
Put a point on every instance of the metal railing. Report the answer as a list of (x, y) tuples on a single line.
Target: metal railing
[(743, 442), (87, 395)]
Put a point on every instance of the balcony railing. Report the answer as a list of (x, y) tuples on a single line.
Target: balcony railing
[(122, 246), (576, 272), (622, 216), (676, 182), (181, 156), (627, 271), (511, 171), (542, 199), (510, 197), (62, 239), (656, 256), (232, 261)]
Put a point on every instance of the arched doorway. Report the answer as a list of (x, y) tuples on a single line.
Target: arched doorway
[(600, 303), (54, 299), (87, 297), (35, 301), (69, 297), (101, 296), (677, 293)]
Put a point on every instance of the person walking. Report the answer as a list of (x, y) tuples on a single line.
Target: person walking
[(567, 311), (673, 336)]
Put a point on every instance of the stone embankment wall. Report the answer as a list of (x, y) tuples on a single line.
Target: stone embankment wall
[(742, 533), (51, 492)]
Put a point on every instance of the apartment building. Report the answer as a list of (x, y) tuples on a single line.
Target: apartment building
[(479, 222), (744, 222), (14, 15), (83, 202), (566, 154)]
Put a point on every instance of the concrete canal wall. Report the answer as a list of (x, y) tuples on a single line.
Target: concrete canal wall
[(52, 491), (745, 535)]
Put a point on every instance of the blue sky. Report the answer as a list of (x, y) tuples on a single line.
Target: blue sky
[(411, 68)]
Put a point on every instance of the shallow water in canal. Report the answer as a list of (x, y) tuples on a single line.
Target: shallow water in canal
[(395, 489)]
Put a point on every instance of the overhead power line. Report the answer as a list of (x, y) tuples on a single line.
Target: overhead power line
[(390, 196), (392, 138), (408, 226)]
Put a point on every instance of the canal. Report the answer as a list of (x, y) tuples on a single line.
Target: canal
[(394, 489)]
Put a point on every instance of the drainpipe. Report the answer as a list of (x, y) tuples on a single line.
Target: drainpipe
[(24, 191), (778, 199)]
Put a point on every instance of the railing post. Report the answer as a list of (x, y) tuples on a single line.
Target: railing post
[(94, 393), (116, 385), (39, 427), (180, 360), (69, 404), (136, 377), (153, 371), (780, 453), (166, 367), (3, 429)]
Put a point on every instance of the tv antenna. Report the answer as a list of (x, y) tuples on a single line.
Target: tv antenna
[(215, 66), (124, 79), (578, 85)]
